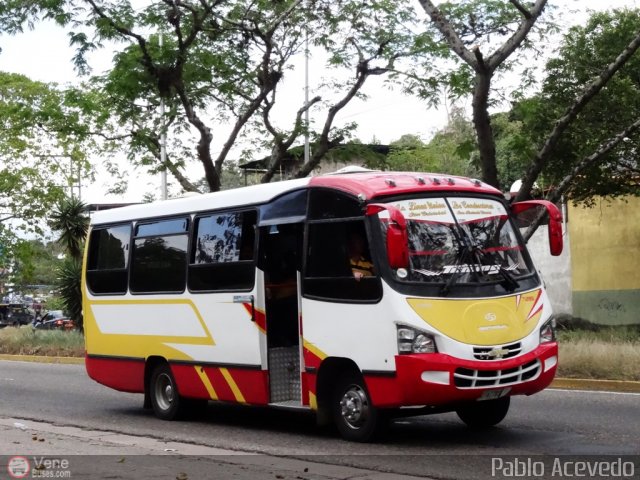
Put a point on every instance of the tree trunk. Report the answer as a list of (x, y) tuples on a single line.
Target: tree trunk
[(484, 132)]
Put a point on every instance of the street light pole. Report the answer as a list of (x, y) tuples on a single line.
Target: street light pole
[(163, 146), (307, 148)]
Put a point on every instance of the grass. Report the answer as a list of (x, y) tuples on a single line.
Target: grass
[(28, 341), (611, 353)]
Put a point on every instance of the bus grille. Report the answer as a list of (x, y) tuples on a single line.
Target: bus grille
[(497, 353), (467, 378)]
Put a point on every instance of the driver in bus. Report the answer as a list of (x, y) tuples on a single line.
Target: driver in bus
[(359, 260)]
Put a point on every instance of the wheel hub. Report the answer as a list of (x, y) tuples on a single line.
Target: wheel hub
[(354, 406), (165, 394)]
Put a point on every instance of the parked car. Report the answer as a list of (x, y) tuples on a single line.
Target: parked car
[(54, 320), (15, 314)]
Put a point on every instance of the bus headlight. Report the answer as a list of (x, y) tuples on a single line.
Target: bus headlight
[(548, 331), (412, 340)]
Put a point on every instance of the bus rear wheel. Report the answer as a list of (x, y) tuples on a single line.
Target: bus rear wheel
[(484, 414), (166, 401), (355, 416)]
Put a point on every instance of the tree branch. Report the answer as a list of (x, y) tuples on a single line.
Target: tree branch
[(594, 159), (591, 90), (446, 29), (513, 42), (525, 13)]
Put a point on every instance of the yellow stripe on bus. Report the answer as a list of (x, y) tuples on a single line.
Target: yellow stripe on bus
[(315, 350), (232, 384), (206, 382), (313, 403), (159, 301)]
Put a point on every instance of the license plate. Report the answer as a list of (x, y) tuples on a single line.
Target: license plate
[(493, 394)]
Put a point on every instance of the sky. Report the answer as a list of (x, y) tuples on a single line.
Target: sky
[(44, 54)]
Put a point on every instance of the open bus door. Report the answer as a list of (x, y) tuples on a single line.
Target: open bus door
[(280, 255)]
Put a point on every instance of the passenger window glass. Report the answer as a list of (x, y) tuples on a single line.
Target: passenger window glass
[(223, 252), (162, 227), (288, 208), (107, 260), (339, 264), (159, 262), (325, 204), (224, 238)]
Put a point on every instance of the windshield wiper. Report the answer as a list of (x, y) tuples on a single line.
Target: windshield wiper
[(510, 283), (465, 250)]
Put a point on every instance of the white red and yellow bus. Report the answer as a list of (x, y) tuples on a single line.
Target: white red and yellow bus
[(249, 296)]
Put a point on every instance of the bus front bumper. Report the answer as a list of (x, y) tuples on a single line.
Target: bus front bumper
[(438, 379)]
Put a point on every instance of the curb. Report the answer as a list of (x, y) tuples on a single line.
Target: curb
[(622, 386), (43, 359)]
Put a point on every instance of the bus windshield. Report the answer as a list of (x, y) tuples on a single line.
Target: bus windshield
[(456, 241)]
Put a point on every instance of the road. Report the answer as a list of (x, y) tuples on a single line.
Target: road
[(554, 423)]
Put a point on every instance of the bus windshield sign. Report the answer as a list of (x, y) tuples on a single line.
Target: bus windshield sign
[(460, 240)]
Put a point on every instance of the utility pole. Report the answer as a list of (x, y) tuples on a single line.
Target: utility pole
[(163, 145), (307, 149)]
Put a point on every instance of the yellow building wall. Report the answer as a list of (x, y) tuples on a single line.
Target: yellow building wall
[(605, 260)]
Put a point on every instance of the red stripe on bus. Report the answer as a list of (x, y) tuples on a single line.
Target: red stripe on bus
[(120, 374)]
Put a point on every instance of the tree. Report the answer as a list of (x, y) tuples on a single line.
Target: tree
[(219, 61), (452, 150), (42, 147), (465, 26), (71, 222), (601, 145), (367, 38)]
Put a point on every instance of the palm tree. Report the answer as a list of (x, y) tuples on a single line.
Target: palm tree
[(70, 221)]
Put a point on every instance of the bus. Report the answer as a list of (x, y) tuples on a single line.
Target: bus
[(359, 296)]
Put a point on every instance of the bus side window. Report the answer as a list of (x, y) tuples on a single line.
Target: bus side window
[(222, 252), (108, 259), (159, 257), (330, 269)]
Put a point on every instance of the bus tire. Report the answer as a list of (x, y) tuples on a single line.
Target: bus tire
[(166, 402), (354, 415), (484, 414)]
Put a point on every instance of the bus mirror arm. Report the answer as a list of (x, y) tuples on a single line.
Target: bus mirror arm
[(397, 240), (555, 221)]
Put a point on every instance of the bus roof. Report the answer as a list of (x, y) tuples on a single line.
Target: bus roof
[(367, 184)]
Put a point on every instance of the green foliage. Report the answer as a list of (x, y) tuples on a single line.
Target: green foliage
[(56, 302), (220, 62), (452, 150), (514, 146), (69, 279), (42, 147), (585, 51), (70, 220)]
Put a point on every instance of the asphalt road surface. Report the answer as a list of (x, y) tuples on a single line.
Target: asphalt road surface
[(595, 427)]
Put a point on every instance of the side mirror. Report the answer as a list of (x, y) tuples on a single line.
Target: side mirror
[(397, 240), (555, 221)]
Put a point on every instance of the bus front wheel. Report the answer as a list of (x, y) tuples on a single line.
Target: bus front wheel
[(355, 416), (484, 414), (165, 399)]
